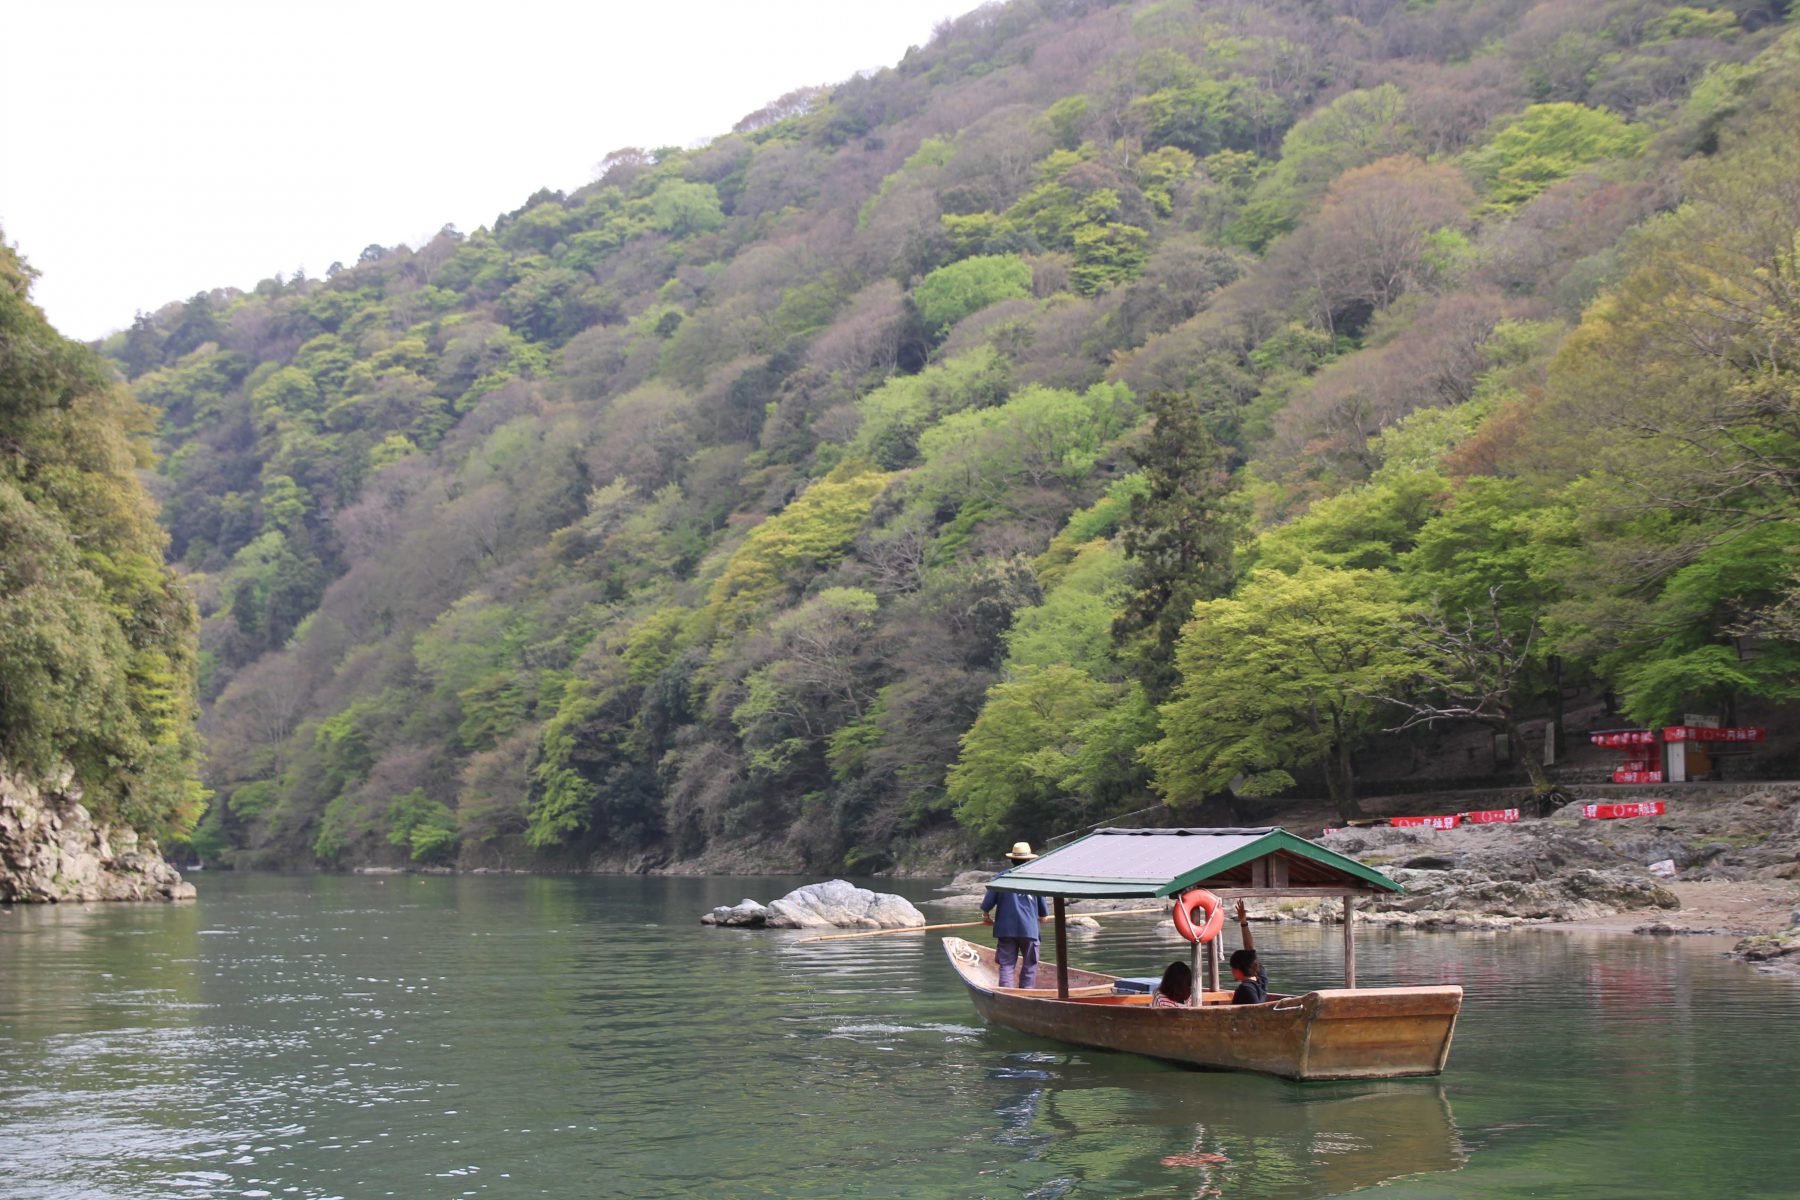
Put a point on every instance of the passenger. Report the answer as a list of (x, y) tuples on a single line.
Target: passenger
[(1252, 985), (1176, 988), (1243, 920)]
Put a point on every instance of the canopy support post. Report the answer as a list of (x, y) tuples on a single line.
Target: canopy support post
[(1196, 984), (1349, 940), (1062, 950), (1214, 968)]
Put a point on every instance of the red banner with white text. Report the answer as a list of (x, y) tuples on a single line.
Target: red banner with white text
[(1449, 822), (1612, 812), (1492, 816)]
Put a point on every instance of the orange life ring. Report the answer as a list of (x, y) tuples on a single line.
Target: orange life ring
[(1184, 916)]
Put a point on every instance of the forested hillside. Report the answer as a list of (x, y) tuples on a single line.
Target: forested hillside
[(97, 636), (1111, 401)]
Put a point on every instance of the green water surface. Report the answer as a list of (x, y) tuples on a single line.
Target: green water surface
[(502, 1036)]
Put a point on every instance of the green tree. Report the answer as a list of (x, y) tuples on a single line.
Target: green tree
[(1073, 626), (1107, 253), (896, 413), (1548, 143), (1065, 119), (196, 326), (1680, 652), (1487, 533), (1052, 750), (1369, 527), (1283, 675), (426, 828), (950, 293), (586, 783), (681, 208), (807, 535), (1024, 458), (1208, 115), (1178, 534)]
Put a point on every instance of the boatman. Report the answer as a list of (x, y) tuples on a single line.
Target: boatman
[(1015, 918)]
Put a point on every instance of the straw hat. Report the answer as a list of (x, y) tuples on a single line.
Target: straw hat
[(1021, 852)]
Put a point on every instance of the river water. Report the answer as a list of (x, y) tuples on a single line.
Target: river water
[(433, 1037)]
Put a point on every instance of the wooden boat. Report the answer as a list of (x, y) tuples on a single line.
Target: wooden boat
[(1343, 1033), (1337, 1033)]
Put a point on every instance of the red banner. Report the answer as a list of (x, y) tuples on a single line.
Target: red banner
[(1700, 733), (1624, 737), (1492, 816), (1448, 822), (1612, 812), (1641, 774)]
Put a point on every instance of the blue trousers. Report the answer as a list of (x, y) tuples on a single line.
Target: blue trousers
[(1009, 949)]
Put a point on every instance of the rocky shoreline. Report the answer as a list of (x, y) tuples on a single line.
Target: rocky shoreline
[(52, 850), (1725, 866), (1778, 951)]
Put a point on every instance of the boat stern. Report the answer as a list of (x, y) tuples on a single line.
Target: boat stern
[(1377, 1033)]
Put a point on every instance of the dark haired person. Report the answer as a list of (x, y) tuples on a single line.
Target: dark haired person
[(1176, 988), (1243, 920), (1251, 987)]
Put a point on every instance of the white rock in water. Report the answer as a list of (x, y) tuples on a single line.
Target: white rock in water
[(836, 903), (745, 913)]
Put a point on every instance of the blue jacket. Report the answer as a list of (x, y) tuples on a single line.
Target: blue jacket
[(1016, 915)]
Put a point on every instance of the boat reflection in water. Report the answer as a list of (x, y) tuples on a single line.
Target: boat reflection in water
[(1236, 1136), (1313, 1147)]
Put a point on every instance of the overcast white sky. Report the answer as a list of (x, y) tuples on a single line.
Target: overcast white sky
[(151, 149)]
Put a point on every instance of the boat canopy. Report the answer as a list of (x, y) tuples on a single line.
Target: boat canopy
[(1153, 863)]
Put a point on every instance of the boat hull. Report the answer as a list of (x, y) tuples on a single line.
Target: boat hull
[(1360, 1033)]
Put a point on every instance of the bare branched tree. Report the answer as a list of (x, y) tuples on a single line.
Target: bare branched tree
[(1474, 669)]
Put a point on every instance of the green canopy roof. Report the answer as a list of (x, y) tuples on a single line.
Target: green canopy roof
[(1152, 863)]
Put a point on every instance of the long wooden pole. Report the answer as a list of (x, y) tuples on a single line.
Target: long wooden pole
[(835, 937), (1062, 948), (1349, 941), (838, 937)]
